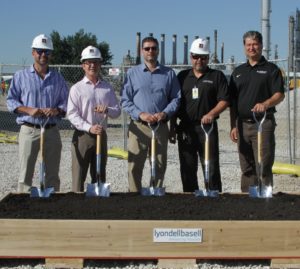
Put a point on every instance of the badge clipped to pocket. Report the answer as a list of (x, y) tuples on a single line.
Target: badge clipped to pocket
[(195, 93)]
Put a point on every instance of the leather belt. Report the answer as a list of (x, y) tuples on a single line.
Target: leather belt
[(251, 120), (47, 126)]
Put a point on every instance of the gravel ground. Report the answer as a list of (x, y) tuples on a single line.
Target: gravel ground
[(117, 176)]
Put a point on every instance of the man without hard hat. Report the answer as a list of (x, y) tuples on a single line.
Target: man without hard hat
[(150, 95), (204, 95), (91, 101), (38, 95)]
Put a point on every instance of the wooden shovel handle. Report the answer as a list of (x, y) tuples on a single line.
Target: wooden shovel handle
[(98, 145)]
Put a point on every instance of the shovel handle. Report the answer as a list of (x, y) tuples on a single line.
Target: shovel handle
[(98, 144), (259, 140), (206, 150)]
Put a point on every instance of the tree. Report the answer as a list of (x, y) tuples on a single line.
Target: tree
[(67, 50)]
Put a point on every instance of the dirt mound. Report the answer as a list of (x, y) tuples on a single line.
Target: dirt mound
[(132, 206)]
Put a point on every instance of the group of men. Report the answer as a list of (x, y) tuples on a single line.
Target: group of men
[(152, 95)]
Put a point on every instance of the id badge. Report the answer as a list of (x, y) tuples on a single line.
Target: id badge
[(195, 93)]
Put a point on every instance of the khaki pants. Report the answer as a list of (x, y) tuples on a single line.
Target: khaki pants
[(139, 145), (84, 157), (29, 146)]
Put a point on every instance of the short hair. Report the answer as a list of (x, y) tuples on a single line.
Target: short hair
[(253, 35), (150, 39)]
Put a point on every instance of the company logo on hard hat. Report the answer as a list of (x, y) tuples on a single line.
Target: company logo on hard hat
[(92, 51), (201, 46), (44, 40)]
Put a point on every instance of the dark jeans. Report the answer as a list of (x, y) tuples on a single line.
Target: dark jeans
[(248, 153), (191, 145)]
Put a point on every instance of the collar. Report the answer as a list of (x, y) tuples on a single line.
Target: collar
[(145, 68), (261, 61), (87, 81)]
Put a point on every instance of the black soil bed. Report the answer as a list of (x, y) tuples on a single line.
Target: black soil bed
[(131, 206)]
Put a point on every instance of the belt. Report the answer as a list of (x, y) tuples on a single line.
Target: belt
[(251, 120), (47, 126)]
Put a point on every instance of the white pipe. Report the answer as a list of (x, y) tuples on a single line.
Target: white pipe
[(265, 27)]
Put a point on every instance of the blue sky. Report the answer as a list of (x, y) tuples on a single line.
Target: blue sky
[(118, 21)]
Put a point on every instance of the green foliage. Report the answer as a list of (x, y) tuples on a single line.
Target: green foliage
[(67, 50)]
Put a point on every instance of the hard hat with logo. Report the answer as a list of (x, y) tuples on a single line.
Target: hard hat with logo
[(42, 42), (90, 52), (200, 46)]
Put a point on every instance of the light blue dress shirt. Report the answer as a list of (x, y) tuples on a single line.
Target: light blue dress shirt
[(151, 92), (28, 89)]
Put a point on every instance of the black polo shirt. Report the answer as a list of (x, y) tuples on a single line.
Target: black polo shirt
[(250, 85), (200, 95)]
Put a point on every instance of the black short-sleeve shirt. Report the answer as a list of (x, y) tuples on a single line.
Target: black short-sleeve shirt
[(250, 85), (200, 95)]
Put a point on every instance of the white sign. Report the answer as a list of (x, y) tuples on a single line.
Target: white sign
[(114, 71), (183, 235)]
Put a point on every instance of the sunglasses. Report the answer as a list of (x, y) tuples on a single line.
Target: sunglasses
[(150, 48), (198, 56), (41, 51), (90, 63)]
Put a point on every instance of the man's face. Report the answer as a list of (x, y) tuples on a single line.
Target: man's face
[(91, 67), (253, 49), (199, 61), (150, 51), (41, 56)]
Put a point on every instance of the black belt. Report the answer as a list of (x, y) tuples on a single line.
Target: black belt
[(47, 126), (251, 120)]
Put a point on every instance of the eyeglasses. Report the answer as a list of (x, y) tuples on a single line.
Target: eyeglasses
[(41, 51), (150, 48), (199, 56), (90, 63)]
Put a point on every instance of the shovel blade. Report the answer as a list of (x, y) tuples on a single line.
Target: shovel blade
[(95, 189), (263, 192), (153, 191), (207, 193), (36, 192)]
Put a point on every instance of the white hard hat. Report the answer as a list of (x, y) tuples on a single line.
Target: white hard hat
[(90, 52), (200, 46), (42, 42)]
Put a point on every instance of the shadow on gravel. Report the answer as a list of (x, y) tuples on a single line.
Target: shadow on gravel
[(235, 263), (13, 263)]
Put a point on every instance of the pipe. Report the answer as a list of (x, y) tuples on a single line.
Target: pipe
[(215, 59), (138, 48), (265, 27), (174, 59), (162, 49), (185, 50), (222, 53)]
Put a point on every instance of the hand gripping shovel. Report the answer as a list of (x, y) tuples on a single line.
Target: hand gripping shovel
[(207, 192), (98, 188), (153, 190), (260, 191), (42, 191)]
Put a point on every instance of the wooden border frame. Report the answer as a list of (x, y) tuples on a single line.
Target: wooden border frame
[(130, 239)]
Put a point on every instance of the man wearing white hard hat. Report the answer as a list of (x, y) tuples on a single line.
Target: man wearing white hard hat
[(91, 101), (38, 95), (204, 95)]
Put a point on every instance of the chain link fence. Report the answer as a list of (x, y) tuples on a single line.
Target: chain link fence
[(287, 112)]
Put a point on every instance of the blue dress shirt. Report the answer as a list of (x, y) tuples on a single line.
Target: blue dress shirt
[(28, 89), (151, 92)]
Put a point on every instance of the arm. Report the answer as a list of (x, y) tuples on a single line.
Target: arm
[(174, 96), (127, 99), (216, 111), (275, 99), (73, 112)]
